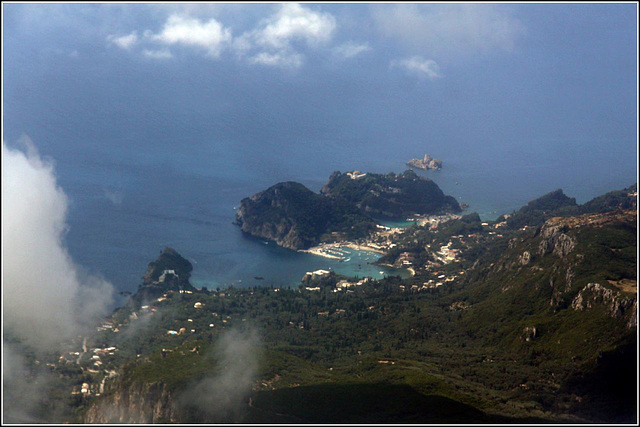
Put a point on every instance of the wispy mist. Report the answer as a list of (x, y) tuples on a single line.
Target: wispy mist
[(221, 395), (20, 394), (46, 297)]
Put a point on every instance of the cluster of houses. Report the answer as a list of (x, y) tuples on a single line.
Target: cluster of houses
[(344, 285), (95, 367), (198, 305), (326, 313), (316, 274), (108, 326), (447, 255), (87, 389), (405, 259), (98, 352), (383, 239), (433, 220), (440, 280)]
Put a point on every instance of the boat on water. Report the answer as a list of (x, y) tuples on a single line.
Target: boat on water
[(258, 277)]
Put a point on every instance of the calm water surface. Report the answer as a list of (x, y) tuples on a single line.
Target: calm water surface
[(123, 213)]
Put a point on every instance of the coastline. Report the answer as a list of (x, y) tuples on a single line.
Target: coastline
[(325, 249), (333, 250), (320, 251), (352, 245)]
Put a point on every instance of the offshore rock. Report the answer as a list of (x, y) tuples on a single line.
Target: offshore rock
[(426, 163)]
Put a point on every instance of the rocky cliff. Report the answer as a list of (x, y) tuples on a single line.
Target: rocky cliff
[(141, 403), (296, 218), (577, 270)]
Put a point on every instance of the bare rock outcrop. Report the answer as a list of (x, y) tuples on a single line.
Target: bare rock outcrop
[(136, 404), (555, 240), (617, 305)]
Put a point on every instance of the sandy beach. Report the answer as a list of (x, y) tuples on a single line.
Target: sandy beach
[(320, 250), (326, 249)]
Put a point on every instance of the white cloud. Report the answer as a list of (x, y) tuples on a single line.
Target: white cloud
[(275, 35), (351, 49), (210, 35), (242, 44), (124, 42), (46, 298), (292, 22), (420, 66), (279, 59), (450, 28), (272, 41), (221, 395), (157, 54)]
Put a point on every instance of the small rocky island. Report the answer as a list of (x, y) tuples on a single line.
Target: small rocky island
[(425, 164)]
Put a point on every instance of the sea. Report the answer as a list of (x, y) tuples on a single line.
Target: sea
[(124, 210), (160, 153)]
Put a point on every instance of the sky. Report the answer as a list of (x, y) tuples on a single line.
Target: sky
[(499, 76)]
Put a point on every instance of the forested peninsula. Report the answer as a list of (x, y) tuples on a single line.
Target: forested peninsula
[(297, 218)]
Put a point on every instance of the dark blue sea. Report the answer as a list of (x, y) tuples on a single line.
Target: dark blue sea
[(155, 155), (122, 213)]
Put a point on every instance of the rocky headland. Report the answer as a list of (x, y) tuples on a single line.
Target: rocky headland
[(169, 272), (297, 218)]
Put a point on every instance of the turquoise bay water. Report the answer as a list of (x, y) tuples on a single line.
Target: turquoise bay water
[(358, 264)]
